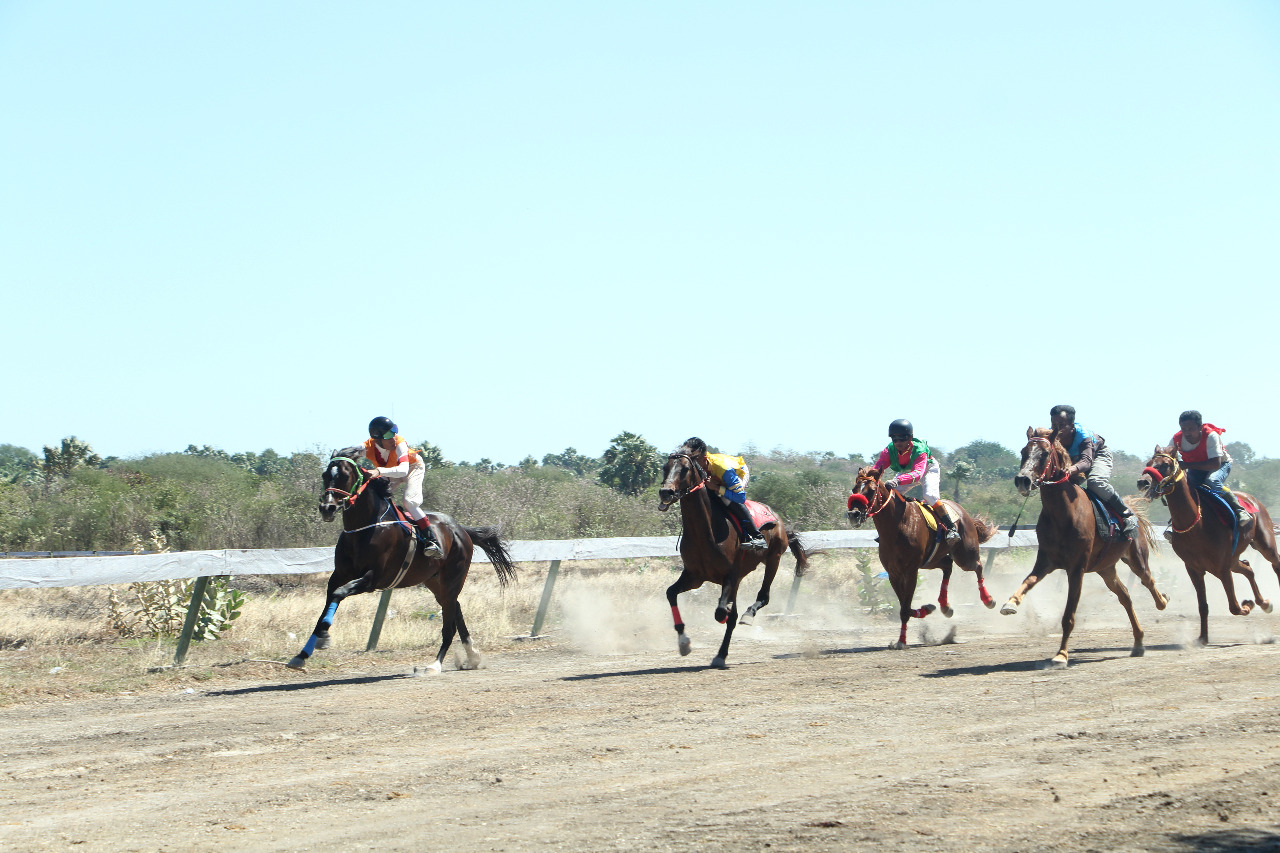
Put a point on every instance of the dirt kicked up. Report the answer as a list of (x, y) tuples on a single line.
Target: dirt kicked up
[(842, 746)]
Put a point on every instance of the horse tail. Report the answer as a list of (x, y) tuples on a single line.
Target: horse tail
[(1138, 506), (799, 551), (984, 528), (493, 545)]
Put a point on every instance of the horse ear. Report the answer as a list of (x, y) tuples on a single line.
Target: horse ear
[(1031, 432)]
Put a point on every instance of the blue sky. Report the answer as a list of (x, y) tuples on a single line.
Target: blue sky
[(517, 227)]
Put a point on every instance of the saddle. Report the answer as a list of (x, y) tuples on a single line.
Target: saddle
[(419, 535), (1224, 512), (761, 516), (1110, 528)]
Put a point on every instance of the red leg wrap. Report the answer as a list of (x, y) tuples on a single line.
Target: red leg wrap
[(919, 613), (675, 614), (902, 635), (942, 595)]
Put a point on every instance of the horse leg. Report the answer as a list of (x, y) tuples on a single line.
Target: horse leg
[(1075, 581), (1038, 571), (684, 583), (904, 584), (319, 638), (474, 658), (762, 597), (942, 589), (1136, 559), (1264, 542), (1197, 581), (1237, 608), (1113, 583), (731, 611), (1243, 568)]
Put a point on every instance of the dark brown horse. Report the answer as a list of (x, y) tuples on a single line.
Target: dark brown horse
[(1068, 538), (1205, 543), (722, 562), (907, 544), (376, 551)]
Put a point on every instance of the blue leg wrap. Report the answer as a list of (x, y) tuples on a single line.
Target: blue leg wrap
[(327, 620), (309, 647)]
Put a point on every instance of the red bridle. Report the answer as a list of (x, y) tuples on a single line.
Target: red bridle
[(1053, 460)]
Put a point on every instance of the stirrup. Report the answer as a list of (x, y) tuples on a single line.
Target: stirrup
[(755, 543), (953, 535)]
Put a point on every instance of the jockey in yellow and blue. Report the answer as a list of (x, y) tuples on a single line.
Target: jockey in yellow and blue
[(729, 475)]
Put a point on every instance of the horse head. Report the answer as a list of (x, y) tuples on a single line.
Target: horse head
[(866, 490), (681, 476), (1044, 461), (1161, 473), (342, 480)]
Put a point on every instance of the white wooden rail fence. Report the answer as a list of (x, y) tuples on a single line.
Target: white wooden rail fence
[(64, 571)]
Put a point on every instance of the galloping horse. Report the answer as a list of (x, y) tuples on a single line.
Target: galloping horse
[(1208, 544), (907, 544), (376, 551), (726, 562), (1068, 538)]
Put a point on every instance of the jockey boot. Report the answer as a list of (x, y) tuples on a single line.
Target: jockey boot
[(1241, 512), (1122, 511), (950, 529), (751, 538), (430, 544)]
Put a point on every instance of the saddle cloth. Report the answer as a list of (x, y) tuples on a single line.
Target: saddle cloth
[(1110, 528), (761, 515), (1225, 513)]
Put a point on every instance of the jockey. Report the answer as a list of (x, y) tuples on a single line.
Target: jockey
[(393, 459), (1204, 458), (911, 462), (1093, 461), (729, 475)]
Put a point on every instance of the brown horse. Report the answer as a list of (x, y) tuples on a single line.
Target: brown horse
[(377, 551), (907, 544), (1068, 538), (723, 562), (1205, 544)]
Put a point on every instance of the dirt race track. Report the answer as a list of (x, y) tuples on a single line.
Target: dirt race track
[(830, 743)]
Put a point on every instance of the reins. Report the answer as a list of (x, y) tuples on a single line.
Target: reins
[(1044, 480)]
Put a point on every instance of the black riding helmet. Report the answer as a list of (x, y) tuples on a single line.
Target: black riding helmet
[(901, 427), (381, 427)]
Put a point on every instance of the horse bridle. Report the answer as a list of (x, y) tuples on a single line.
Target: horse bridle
[(1165, 485), (347, 499), (872, 509), (693, 463), (1044, 480)]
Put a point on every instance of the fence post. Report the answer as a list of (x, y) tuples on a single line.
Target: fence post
[(546, 598), (189, 626), (379, 617), (991, 558)]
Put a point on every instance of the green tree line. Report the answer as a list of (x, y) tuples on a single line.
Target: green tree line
[(70, 499)]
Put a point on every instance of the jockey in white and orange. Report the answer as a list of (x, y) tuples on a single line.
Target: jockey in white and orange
[(1205, 458), (393, 459), (729, 476), (910, 461)]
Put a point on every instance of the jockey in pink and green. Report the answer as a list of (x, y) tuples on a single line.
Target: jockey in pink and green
[(911, 462)]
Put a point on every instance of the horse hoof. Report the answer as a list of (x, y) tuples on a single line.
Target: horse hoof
[(431, 669), (1246, 607), (684, 645), (1162, 602), (298, 663), (722, 615), (897, 645), (947, 611), (323, 642), (989, 603), (719, 663), (1266, 606), (1058, 662), (747, 619), (929, 608), (1009, 609), (1138, 651)]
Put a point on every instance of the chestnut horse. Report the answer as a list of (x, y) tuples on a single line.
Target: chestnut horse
[(1205, 544), (1068, 538), (907, 544), (375, 551), (725, 563)]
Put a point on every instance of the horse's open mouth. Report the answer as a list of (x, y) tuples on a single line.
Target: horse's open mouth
[(856, 517), (663, 506)]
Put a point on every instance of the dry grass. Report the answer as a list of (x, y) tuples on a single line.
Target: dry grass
[(599, 608)]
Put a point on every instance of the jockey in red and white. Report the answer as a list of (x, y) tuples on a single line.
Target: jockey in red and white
[(911, 462), (393, 459), (1205, 458)]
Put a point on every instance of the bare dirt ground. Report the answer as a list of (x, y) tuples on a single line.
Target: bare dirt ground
[(814, 739)]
